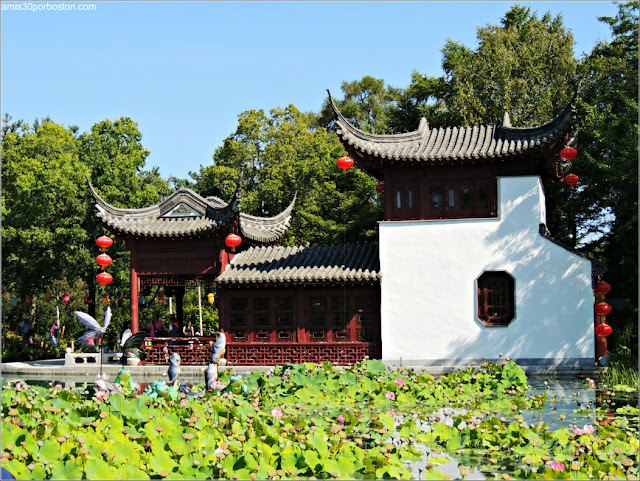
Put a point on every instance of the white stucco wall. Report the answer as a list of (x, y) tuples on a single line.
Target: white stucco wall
[(428, 292)]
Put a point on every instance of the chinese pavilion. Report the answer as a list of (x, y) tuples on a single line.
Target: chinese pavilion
[(469, 268), (465, 267)]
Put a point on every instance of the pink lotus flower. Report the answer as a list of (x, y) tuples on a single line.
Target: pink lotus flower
[(400, 382), (592, 383), (460, 389), (340, 418), (588, 429), (556, 465), (390, 396), (219, 453), (578, 431), (218, 385), (58, 386), (276, 413), (183, 403), (391, 412)]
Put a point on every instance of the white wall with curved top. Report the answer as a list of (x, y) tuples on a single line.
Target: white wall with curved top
[(428, 292)]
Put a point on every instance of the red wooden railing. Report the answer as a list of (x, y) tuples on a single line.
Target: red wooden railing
[(197, 351)]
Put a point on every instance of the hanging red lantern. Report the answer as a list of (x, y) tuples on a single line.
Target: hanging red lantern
[(86, 299), (571, 179), (602, 288), (160, 296), (104, 242), (29, 300), (65, 298), (380, 188), (233, 241), (104, 278), (344, 163), (602, 308), (568, 153), (603, 330), (104, 260)]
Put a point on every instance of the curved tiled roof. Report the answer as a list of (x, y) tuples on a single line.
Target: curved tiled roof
[(266, 229), (185, 214), (354, 263), (455, 144)]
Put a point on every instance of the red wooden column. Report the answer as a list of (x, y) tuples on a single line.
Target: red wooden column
[(134, 299), (300, 305), (388, 194)]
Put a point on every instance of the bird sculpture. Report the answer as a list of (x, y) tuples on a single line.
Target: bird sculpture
[(96, 331), (130, 344), (210, 375), (174, 367), (101, 383), (219, 348)]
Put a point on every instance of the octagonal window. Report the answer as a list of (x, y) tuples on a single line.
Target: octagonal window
[(496, 298)]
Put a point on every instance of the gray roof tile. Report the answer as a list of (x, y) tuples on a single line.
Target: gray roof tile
[(471, 143), (358, 263), (185, 213)]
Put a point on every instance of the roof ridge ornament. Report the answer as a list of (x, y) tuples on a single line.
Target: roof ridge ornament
[(506, 120)]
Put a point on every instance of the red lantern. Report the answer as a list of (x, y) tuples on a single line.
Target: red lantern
[(602, 308), (602, 288), (380, 188), (571, 179), (568, 153), (345, 163), (65, 298), (603, 330), (86, 299), (104, 278), (29, 300), (104, 260), (104, 241), (233, 241)]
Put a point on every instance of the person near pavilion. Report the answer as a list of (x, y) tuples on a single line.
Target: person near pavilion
[(24, 329), (54, 332), (188, 330), (174, 329), (156, 327)]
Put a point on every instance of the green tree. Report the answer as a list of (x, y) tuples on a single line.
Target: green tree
[(608, 161), (42, 216), (524, 66), (43, 213), (115, 156), (283, 153), (366, 104)]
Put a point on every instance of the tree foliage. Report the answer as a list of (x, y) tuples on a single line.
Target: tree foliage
[(367, 104), (49, 225), (282, 154), (608, 146), (524, 66)]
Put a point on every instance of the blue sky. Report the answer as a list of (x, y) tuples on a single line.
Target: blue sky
[(185, 70)]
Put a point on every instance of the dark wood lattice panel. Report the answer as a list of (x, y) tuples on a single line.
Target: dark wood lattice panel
[(192, 351), (174, 281), (270, 354), (197, 351)]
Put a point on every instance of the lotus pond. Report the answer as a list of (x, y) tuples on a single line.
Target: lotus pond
[(307, 421)]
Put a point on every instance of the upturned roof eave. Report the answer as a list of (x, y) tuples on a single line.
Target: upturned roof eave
[(384, 148)]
